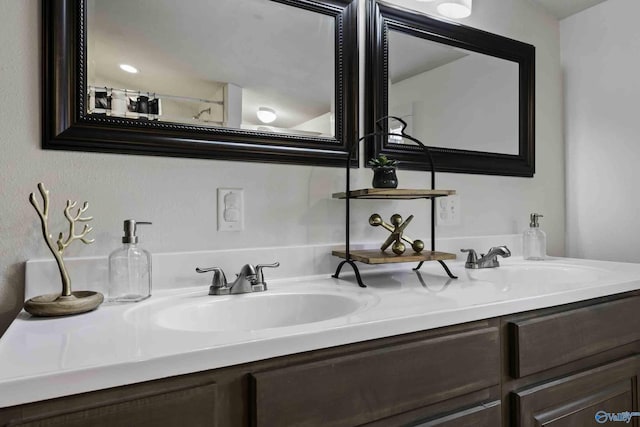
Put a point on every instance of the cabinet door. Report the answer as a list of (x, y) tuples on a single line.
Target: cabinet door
[(575, 401)]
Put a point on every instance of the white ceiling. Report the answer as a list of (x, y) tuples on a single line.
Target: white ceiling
[(564, 8), (410, 56)]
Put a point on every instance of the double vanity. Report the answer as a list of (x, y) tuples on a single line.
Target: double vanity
[(527, 343)]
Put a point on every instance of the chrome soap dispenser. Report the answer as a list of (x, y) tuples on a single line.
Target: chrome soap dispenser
[(129, 268), (534, 240)]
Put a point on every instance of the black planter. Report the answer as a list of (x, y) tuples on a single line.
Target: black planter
[(384, 177)]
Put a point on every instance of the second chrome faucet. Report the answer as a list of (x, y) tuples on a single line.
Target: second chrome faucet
[(250, 279)]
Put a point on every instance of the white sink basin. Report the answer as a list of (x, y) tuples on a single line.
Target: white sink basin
[(250, 312), (537, 274)]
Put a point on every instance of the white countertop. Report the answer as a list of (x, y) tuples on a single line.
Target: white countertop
[(121, 344)]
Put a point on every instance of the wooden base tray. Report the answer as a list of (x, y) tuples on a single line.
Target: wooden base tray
[(376, 256), (393, 193)]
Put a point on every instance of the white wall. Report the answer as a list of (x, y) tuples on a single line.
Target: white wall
[(601, 62), (469, 104), (285, 205)]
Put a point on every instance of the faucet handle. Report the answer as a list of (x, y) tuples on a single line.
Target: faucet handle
[(502, 250), (260, 275), (219, 280), (472, 258)]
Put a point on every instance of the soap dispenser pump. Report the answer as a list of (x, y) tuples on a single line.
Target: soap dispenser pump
[(534, 240), (130, 268)]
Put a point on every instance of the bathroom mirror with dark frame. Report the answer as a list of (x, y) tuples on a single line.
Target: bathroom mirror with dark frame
[(78, 116), (435, 53)]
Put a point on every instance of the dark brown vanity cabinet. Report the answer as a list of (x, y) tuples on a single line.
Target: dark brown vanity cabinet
[(552, 367)]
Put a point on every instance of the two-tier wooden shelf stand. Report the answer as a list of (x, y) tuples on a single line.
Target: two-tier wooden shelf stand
[(376, 256)]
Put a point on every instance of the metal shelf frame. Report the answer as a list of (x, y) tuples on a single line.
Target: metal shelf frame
[(348, 196)]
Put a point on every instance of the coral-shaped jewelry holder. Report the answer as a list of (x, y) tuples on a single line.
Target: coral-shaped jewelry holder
[(66, 302)]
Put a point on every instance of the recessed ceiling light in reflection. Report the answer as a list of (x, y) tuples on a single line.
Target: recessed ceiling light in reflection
[(266, 115), (455, 9), (128, 68)]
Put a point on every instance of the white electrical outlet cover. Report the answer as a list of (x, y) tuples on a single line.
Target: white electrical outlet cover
[(230, 209), (448, 211)]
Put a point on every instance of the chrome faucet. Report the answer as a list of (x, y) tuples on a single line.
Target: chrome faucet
[(490, 260), (250, 279)]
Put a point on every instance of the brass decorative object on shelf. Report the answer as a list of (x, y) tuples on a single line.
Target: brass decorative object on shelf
[(397, 234), (66, 302)]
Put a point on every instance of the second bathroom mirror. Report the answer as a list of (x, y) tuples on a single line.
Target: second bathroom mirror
[(465, 93)]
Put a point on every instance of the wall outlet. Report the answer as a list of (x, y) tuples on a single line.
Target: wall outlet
[(230, 209), (448, 210)]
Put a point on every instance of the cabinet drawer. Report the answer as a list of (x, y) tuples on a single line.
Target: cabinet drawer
[(549, 341), (363, 387), (192, 406), (575, 400)]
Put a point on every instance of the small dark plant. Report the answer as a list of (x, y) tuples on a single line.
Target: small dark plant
[(382, 161)]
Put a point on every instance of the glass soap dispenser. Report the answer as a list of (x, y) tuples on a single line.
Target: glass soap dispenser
[(534, 240), (130, 268)]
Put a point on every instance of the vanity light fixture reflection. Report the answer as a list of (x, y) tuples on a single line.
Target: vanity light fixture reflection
[(129, 68), (266, 115), (455, 9)]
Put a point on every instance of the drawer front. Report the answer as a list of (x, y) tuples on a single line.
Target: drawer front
[(364, 387), (581, 399), (549, 341), (194, 406)]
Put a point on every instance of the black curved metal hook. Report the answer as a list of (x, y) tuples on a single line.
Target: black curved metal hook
[(404, 125)]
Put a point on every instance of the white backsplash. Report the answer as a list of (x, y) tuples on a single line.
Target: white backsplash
[(175, 270)]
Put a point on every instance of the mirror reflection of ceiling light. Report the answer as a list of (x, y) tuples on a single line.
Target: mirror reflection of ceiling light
[(455, 9), (128, 68), (266, 115)]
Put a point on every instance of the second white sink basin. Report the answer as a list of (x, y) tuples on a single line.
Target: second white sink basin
[(250, 312)]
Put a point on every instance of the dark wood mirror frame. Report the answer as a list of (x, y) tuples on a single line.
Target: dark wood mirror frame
[(67, 126), (381, 18)]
